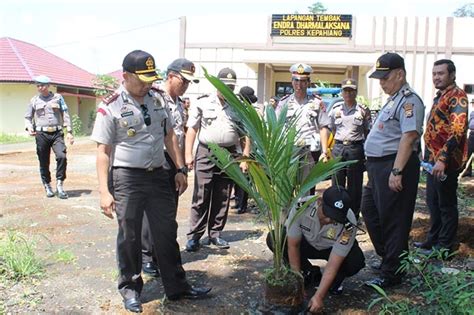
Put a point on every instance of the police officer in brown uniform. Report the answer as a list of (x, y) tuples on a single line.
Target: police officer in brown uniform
[(131, 127), (350, 123), (46, 119), (212, 120), (180, 74), (313, 121), (393, 167)]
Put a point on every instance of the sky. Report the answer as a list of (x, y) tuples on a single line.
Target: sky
[(95, 35)]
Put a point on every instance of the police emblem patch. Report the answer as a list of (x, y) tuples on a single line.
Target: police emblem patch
[(331, 234), (300, 69), (150, 64), (408, 107), (345, 237)]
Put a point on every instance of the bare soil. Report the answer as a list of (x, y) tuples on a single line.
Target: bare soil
[(88, 285)]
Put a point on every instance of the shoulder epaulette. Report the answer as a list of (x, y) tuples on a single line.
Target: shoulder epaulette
[(202, 96), (110, 98), (316, 96), (363, 106), (158, 89), (407, 92), (285, 97), (338, 104)]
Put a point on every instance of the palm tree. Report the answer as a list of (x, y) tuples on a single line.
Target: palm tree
[(273, 179)]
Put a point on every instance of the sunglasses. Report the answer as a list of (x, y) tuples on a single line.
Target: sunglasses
[(146, 115), (183, 79)]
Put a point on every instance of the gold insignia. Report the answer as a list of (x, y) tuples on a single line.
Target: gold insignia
[(345, 237), (150, 64), (300, 69), (338, 114), (331, 234), (349, 82), (378, 64), (229, 76), (408, 107), (131, 132)]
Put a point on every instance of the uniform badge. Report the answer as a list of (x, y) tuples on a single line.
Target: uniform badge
[(408, 107), (390, 104), (338, 114), (126, 114), (331, 234), (345, 237), (123, 123), (131, 132)]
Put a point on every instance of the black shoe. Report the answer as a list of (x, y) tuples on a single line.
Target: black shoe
[(219, 242), (336, 290), (423, 245), (241, 210), (193, 293), (133, 305), (192, 245), (384, 282), (49, 190), (151, 269)]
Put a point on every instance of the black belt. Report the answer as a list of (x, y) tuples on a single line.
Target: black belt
[(147, 170), (231, 148), (382, 158), (348, 142)]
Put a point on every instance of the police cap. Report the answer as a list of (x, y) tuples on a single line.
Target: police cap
[(336, 205), (349, 84), (228, 76), (249, 94), (386, 63), (300, 70), (42, 79), (184, 67), (142, 64)]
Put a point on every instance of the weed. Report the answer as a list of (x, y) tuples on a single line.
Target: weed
[(18, 259), (64, 256), (442, 290)]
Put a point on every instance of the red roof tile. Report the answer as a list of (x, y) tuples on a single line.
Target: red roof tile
[(22, 62), (117, 74)]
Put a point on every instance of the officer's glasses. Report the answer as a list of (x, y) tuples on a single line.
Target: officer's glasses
[(183, 79), (146, 115)]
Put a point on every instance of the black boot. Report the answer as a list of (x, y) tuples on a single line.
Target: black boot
[(49, 190), (61, 193)]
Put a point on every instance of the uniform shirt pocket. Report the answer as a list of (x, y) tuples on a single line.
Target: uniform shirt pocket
[(209, 116)]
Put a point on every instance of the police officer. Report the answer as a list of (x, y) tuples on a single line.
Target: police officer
[(131, 127), (215, 122), (46, 119), (350, 123), (180, 74), (313, 120), (391, 148), (325, 230)]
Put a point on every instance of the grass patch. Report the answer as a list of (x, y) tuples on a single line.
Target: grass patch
[(8, 138), (64, 256), (18, 259)]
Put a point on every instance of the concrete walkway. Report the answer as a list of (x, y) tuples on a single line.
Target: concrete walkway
[(31, 145)]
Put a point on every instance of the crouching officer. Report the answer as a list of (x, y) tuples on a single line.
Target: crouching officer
[(350, 123), (325, 230), (46, 119), (131, 128)]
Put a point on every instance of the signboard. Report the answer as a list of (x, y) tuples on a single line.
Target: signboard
[(312, 25)]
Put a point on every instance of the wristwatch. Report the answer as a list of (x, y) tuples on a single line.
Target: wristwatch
[(396, 171), (183, 170)]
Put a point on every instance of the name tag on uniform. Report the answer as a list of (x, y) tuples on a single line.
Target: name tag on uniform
[(126, 114), (305, 228)]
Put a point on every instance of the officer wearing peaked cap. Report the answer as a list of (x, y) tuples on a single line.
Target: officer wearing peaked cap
[(180, 74), (391, 148), (46, 119), (131, 129), (350, 123), (313, 120), (211, 120)]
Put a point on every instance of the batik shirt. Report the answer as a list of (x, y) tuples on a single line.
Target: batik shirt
[(446, 129)]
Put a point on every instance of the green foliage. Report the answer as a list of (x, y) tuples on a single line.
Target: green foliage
[(317, 8), (64, 255), (6, 138), (91, 120), (441, 291), (76, 125), (273, 167), (466, 10), (17, 257), (104, 84), (362, 100)]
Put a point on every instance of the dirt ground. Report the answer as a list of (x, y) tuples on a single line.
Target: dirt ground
[(88, 286)]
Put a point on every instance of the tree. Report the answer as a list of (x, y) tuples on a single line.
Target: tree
[(466, 10), (104, 84), (317, 8)]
